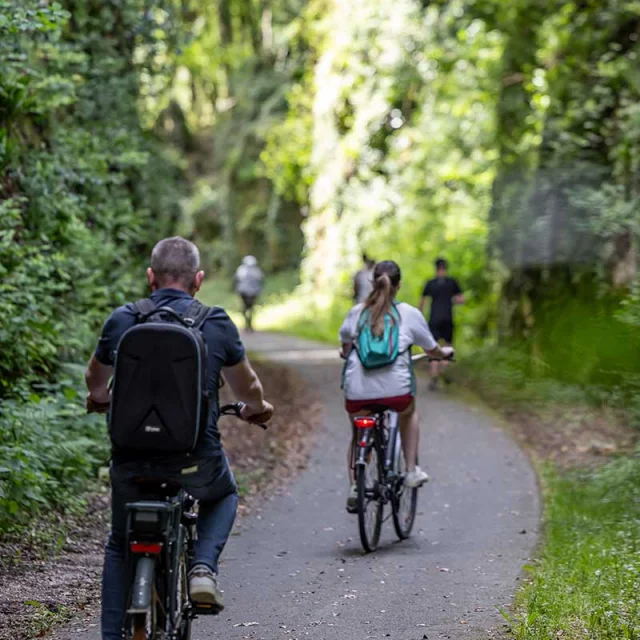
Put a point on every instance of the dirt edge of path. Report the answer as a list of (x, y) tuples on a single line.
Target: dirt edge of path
[(575, 436), (39, 592)]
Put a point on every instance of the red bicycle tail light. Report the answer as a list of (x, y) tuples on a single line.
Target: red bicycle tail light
[(153, 548), (364, 422)]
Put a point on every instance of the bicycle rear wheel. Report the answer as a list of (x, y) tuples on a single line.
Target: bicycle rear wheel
[(184, 632), (144, 625), (139, 628), (404, 502), (143, 619), (370, 506)]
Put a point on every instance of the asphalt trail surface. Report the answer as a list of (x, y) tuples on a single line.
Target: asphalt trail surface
[(294, 568)]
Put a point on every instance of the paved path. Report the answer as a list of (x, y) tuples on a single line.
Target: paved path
[(296, 568)]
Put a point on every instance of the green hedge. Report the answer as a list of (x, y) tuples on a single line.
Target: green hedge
[(85, 191)]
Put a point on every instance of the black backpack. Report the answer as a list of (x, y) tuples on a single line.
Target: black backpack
[(159, 399)]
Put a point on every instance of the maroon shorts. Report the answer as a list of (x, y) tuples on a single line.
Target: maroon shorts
[(396, 403)]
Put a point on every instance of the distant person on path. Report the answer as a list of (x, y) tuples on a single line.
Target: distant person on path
[(363, 280), (444, 293), (390, 383), (248, 282)]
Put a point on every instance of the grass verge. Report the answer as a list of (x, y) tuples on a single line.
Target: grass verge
[(586, 581), (586, 584)]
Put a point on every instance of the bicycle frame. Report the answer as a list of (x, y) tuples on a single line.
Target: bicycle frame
[(383, 426), (160, 538), (159, 533)]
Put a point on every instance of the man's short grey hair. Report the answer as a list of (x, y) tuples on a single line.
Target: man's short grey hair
[(175, 260)]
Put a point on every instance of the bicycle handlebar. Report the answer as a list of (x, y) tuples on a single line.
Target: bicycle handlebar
[(417, 356), (421, 356), (235, 409), (226, 410)]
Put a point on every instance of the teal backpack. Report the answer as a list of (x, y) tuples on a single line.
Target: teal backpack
[(378, 351)]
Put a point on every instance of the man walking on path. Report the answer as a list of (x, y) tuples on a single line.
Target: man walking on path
[(248, 282), (444, 293), (363, 280)]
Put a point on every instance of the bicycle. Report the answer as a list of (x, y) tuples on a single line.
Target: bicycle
[(160, 547), (380, 470)]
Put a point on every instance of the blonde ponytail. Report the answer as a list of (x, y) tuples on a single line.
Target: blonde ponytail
[(379, 302)]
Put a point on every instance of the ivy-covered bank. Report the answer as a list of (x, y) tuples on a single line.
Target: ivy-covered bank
[(85, 190)]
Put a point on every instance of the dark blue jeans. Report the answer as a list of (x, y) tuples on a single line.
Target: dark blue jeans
[(207, 478)]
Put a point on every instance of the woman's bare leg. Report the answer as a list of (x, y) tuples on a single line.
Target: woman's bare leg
[(410, 435), (350, 453), (352, 445)]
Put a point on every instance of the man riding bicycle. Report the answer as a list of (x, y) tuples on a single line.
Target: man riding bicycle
[(392, 385), (175, 277)]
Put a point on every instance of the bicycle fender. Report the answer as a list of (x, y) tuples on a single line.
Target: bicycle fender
[(364, 446), (142, 590)]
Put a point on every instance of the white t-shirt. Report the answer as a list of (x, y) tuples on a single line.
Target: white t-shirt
[(396, 379), (249, 280), (363, 281)]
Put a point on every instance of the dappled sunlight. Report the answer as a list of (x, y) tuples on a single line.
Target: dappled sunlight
[(317, 138)]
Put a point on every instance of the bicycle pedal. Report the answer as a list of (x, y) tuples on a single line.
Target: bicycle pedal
[(206, 610)]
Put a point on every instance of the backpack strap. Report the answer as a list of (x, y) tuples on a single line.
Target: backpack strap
[(196, 314), (143, 308), (395, 313), (362, 320)]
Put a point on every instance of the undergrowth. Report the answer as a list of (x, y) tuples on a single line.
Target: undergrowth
[(509, 378), (49, 449)]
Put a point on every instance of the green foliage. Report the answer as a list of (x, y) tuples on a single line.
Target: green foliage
[(49, 448), (494, 134), (586, 583), (85, 191), (237, 70), (396, 157)]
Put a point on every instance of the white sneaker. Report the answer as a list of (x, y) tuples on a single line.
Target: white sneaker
[(416, 478), (352, 499), (203, 588)]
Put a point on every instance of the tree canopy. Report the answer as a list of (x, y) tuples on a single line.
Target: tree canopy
[(502, 136)]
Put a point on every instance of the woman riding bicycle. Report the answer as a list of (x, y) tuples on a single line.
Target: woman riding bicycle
[(392, 385)]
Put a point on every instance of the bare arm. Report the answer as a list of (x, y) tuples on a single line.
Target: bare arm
[(345, 349), (458, 299), (441, 353), (423, 301), (97, 378), (247, 387)]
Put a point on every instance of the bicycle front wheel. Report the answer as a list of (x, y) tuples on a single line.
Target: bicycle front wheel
[(404, 502), (370, 506)]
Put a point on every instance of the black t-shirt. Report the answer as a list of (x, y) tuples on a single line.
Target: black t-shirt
[(441, 291), (224, 347)]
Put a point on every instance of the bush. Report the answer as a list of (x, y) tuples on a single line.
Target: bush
[(85, 191), (49, 449)]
